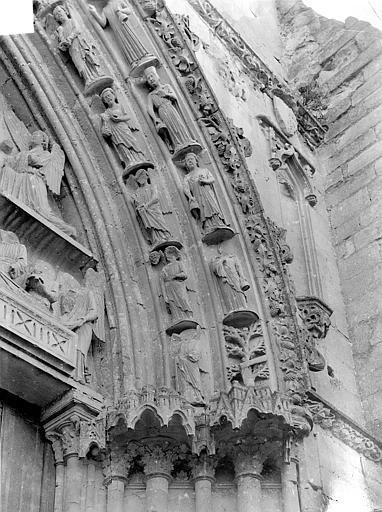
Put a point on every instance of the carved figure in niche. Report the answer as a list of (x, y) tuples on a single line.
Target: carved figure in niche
[(81, 309), (174, 292), (81, 48), (233, 285), (203, 202), (42, 285), (118, 127), (116, 13), (189, 366), (25, 175), (149, 212), (163, 108), (13, 260)]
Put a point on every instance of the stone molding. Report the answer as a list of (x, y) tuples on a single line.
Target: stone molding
[(230, 149), (264, 79), (330, 419)]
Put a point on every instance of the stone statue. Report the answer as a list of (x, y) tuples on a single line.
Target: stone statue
[(148, 209), (232, 283), (118, 127), (41, 284), (26, 174), (188, 367), (163, 109), (13, 260), (116, 14), (203, 202), (81, 48), (174, 291), (81, 309)]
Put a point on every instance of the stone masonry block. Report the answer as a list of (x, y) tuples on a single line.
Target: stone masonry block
[(346, 229), (367, 88), (350, 186), (355, 114), (365, 158), (352, 149), (367, 122), (350, 207)]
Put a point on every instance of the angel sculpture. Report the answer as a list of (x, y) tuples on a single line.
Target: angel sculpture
[(81, 48), (118, 127), (81, 309), (116, 14), (26, 174)]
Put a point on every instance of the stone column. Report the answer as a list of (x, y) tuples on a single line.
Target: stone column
[(290, 495), (70, 432), (116, 469), (157, 466), (203, 471), (55, 439), (248, 461)]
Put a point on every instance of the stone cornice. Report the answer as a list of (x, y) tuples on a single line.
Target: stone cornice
[(344, 428), (264, 79)]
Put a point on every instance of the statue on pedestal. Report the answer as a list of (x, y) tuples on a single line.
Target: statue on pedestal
[(116, 14), (163, 108), (174, 292), (81, 48), (149, 212), (200, 191), (118, 127)]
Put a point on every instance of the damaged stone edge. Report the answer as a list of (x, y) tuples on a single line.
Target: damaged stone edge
[(344, 428), (263, 78)]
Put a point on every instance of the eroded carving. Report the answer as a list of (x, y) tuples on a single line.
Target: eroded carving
[(13, 261), (174, 292), (232, 286), (26, 173), (81, 309), (116, 14), (41, 284), (163, 108), (118, 127), (199, 188), (189, 366), (149, 213), (75, 41)]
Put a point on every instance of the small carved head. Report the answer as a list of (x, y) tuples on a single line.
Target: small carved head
[(39, 138), (60, 14), (108, 97), (172, 253), (6, 146), (191, 161), (142, 177), (152, 77), (8, 237)]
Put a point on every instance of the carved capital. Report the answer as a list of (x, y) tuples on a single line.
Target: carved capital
[(158, 461), (203, 467), (116, 465), (55, 439), (65, 438), (316, 315), (249, 459)]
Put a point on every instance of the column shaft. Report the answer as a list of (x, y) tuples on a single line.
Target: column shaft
[(249, 493), (290, 496), (157, 493), (59, 491), (203, 495), (73, 484), (115, 495)]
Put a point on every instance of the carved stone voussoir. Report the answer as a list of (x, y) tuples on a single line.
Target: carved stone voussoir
[(329, 419)]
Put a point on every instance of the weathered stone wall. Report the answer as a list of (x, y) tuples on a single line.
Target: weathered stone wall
[(344, 64)]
